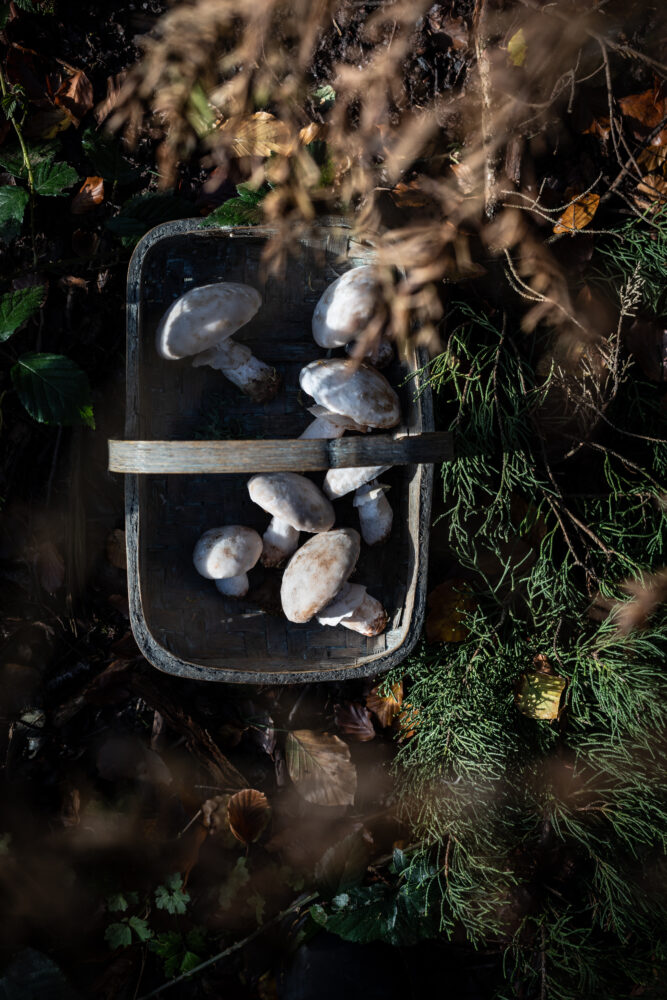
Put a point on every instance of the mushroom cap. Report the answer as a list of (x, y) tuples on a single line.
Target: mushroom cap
[(317, 571), (346, 307), (204, 317), (357, 391), (228, 551), (293, 498)]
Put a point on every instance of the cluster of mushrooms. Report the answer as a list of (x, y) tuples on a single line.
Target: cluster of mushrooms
[(348, 397)]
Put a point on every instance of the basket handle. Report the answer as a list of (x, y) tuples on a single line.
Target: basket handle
[(299, 455)]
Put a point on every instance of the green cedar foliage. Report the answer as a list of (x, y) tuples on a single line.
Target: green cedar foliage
[(545, 838)]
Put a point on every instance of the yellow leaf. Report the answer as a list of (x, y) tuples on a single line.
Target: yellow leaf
[(448, 605), (578, 214), (257, 135), (538, 695), (517, 48), (385, 707)]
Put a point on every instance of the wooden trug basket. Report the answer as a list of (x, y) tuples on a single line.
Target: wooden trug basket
[(178, 486)]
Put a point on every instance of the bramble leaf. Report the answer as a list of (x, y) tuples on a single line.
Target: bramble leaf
[(171, 897), (53, 389), (51, 179), (13, 201), (17, 307), (118, 935)]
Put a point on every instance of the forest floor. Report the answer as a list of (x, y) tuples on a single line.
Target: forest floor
[(149, 823)]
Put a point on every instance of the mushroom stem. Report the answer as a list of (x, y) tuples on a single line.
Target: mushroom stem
[(375, 513), (354, 608), (234, 586), (330, 425), (370, 618), (338, 482), (280, 541), (237, 363)]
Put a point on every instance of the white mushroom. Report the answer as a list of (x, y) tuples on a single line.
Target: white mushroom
[(200, 323), (338, 482), (351, 307), (315, 584), (296, 504), (329, 425), (375, 513), (225, 555), (356, 391)]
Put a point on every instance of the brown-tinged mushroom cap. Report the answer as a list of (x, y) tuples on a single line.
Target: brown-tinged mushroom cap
[(317, 571), (357, 391), (346, 307), (228, 551), (204, 317), (294, 499)]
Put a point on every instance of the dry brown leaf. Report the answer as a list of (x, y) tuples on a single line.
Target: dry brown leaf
[(385, 707), (47, 123), (647, 595), (321, 768), (410, 195), (448, 605), (407, 721), (354, 721), (90, 194), (115, 548), (598, 126), (75, 95), (579, 214), (647, 110), (257, 135), (651, 193), (310, 132), (248, 812)]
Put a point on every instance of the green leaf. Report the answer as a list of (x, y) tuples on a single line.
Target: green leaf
[(11, 157), (5, 11), (116, 903), (140, 928), (53, 389), (245, 210), (171, 897), (325, 96), (52, 178), (118, 936), (343, 864), (16, 307), (144, 211), (189, 961), (107, 159), (13, 201)]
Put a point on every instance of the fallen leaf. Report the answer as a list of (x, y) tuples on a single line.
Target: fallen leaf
[(448, 605), (90, 194), (257, 135), (385, 707), (75, 95), (344, 863), (354, 721), (310, 132), (517, 48), (321, 768), (598, 126), (651, 193), (578, 215), (539, 694), (646, 111), (410, 195), (115, 548), (249, 813), (47, 123), (214, 813), (466, 178), (407, 721)]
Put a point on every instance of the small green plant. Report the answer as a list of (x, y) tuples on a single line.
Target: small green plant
[(244, 210), (180, 952), (171, 896)]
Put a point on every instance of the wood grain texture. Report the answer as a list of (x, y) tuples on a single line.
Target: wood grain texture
[(249, 457), (181, 622)]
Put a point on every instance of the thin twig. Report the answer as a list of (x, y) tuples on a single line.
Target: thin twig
[(301, 901)]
